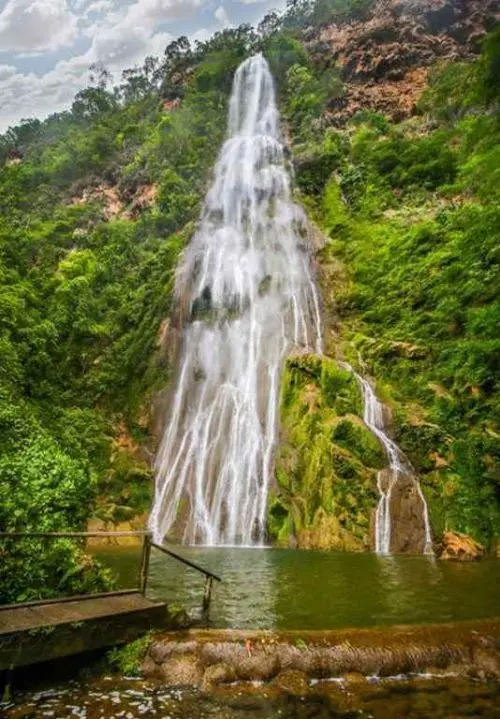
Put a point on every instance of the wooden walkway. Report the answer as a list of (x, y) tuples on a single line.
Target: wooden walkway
[(38, 631), (41, 632), (27, 618)]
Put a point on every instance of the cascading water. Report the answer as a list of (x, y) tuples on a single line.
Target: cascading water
[(252, 299), (373, 416)]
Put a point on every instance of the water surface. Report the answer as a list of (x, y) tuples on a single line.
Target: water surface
[(116, 698), (293, 589)]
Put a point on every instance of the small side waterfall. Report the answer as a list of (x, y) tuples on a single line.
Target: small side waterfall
[(247, 283), (399, 466)]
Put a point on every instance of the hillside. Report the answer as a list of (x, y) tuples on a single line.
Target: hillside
[(392, 117)]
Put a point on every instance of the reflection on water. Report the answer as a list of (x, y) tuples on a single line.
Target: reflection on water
[(293, 589)]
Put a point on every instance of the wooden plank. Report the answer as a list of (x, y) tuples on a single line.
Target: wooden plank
[(33, 634), (22, 619), (51, 614), (60, 600)]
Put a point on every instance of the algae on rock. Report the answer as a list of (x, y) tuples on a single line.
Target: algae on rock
[(327, 461)]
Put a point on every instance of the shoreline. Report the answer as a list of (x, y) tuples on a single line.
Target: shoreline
[(211, 658)]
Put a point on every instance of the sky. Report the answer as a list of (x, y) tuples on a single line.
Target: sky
[(47, 46)]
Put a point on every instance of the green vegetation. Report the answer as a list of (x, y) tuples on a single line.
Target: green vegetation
[(127, 660), (412, 210), (96, 204), (326, 466)]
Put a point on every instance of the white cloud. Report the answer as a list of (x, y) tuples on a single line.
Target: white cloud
[(125, 36), (36, 25), (201, 35), (117, 33), (119, 39), (222, 17), (98, 6), (6, 71), (150, 12)]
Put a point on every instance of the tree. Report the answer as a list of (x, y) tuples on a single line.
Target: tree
[(269, 25)]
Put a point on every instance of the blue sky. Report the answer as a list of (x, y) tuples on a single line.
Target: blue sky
[(47, 46)]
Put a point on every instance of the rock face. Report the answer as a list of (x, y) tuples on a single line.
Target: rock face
[(385, 60), (460, 547), (327, 461), (407, 524), (326, 532)]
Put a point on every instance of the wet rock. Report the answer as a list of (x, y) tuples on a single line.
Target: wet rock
[(150, 669), (260, 666), (355, 678), (292, 682), (182, 670), (460, 547), (227, 652), (217, 674), (407, 517), (326, 532), (488, 663), (161, 651)]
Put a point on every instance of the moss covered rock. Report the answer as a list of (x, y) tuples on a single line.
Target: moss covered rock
[(326, 465)]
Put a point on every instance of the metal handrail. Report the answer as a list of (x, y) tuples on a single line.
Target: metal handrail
[(146, 552), (165, 550)]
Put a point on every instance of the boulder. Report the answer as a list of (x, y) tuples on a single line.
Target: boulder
[(292, 682), (217, 674), (161, 651), (407, 516), (182, 670), (460, 547), (150, 669)]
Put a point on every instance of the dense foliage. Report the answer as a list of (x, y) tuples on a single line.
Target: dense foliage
[(412, 210), (96, 204)]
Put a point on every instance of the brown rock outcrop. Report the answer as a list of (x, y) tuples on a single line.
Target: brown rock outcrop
[(407, 517), (385, 60), (182, 669), (292, 682), (326, 532), (460, 547)]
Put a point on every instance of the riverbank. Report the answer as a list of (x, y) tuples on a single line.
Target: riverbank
[(416, 672), (208, 658)]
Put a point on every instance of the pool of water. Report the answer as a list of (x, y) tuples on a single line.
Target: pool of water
[(293, 589)]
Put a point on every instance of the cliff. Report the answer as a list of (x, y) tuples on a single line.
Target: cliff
[(385, 59)]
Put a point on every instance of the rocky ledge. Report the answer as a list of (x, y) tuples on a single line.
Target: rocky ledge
[(460, 547), (290, 661)]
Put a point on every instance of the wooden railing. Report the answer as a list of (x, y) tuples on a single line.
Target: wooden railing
[(147, 545)]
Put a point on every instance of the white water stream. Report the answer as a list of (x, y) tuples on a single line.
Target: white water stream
[(373, 417), (252, 299)]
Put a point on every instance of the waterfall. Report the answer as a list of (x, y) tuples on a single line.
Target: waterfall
[(252, 299), (399, 465)]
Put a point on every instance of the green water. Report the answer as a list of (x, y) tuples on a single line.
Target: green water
[(293, 589)]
